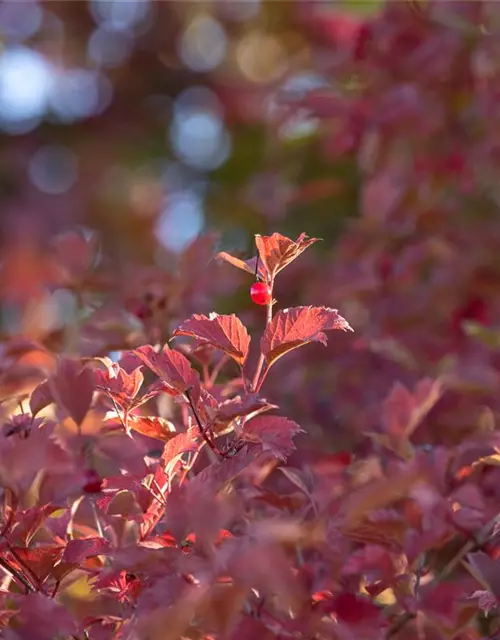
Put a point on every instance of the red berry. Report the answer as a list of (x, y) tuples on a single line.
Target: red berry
[(93, 482), (260, 292)]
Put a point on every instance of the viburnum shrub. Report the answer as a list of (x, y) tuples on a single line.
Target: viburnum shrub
[(108, 535)]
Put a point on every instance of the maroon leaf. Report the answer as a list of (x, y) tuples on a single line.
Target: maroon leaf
[(277, 251), (224, 332), (355, 609), (274, 433), (293, 328), (403, 411), (171, 367), (82, 548), (41, 397), (73, 387), (29, 522)]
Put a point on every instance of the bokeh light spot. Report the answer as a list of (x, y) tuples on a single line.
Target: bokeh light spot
[(109, 48), (181, 221), (261, 57), (238, 11), (80, 93), (53, 169), (20, 20), (25, 86), (119, 15), (203, 44), (199, 138)]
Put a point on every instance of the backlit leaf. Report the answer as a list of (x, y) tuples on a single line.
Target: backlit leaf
[(295, 327), (224, 332), (274, 433), (153, 427), (171, 367), (277, 251)]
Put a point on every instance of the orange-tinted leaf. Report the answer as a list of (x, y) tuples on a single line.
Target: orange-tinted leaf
[(277, 251), (274, 433), (295, 327), (153, 427), (73, 388), (171, 367), (224, 332)]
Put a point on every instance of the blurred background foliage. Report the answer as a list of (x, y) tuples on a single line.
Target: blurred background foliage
[(161, 119), (146, 125)]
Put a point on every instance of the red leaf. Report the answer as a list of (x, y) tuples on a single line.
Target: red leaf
[(181, 443), (153, 427), (224, 332), (73, 388), (122, 386), (171, 367), (29, 522), (274, 433), (295, 327), (277, 251), (80, 549), (40, 560)]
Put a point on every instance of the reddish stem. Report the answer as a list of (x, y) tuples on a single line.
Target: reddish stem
[(260, 372)]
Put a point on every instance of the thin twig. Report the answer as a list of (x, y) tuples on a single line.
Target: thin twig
[(17, 575), (204, 434), (120, 417), (257, 266)]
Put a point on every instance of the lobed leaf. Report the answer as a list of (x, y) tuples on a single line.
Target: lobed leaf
[(225, 332), (295, 327), (171, 367), (274, 433), (277, 251)]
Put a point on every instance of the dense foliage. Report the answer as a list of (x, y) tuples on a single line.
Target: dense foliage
[(171, 470)]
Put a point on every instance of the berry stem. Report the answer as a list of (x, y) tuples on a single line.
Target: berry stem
[(260, 372)]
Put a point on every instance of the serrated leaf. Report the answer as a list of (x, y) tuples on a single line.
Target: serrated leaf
[(171, 367), (122, 386), (274, 433), (277, 251), (225, 332), (295, 327)]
